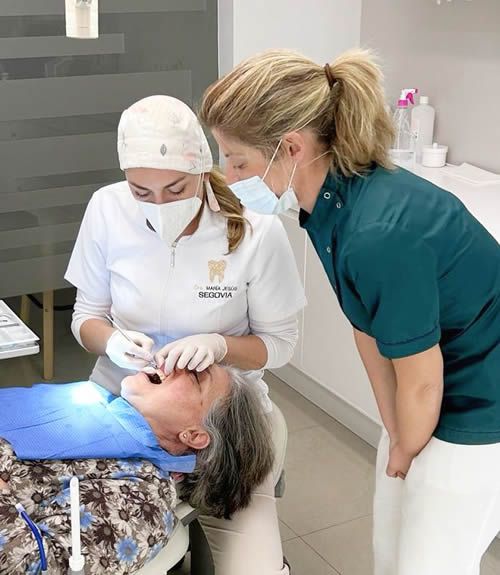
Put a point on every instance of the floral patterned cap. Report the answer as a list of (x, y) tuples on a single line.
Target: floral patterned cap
[(164, 133)]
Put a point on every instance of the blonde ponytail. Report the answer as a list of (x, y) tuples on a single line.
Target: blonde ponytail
[(363, 129), (230, 208), (280, 91)]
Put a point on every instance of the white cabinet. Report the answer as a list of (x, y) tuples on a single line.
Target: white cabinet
[(326, 352), (329, 354), (298, 239)]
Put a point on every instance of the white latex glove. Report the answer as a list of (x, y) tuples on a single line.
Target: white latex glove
[(130, 355), (196, 352)]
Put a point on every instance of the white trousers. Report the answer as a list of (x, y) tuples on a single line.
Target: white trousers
[(250, 543), (443, 517)]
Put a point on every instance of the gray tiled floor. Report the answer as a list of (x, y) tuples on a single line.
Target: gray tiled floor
[(326, 512)]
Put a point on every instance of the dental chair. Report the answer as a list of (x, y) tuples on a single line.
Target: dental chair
[(189, 534)]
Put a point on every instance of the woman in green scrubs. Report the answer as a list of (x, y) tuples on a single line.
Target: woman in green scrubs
[(415, 273)]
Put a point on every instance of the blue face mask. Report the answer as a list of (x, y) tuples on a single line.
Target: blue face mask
[(257, 196)]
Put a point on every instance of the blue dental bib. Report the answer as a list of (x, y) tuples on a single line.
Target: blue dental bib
[(80, 421)]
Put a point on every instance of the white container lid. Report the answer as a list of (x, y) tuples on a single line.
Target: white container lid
[(424, 100), (435, 149)]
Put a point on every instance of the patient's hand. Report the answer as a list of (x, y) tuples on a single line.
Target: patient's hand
[(4, 486)]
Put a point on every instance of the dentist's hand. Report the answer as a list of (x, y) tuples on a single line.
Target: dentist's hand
[(130, 355), (196, 352)]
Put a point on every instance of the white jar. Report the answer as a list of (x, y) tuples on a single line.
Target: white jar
[(434, 156)]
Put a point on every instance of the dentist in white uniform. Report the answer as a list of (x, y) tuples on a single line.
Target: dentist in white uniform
[(188, 273)]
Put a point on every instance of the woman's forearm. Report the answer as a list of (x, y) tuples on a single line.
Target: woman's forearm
[(280, 338), (245, 352), (418, 398), (417, 415), (382, 378), (385, 396), (89, 324), (94, 334)]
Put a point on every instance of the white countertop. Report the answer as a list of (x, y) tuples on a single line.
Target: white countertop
[(16, 339), (483, 202)]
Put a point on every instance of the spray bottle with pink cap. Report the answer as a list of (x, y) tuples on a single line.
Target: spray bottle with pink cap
[(403, 148)]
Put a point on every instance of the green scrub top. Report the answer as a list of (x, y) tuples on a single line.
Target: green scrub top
[(412, 267)]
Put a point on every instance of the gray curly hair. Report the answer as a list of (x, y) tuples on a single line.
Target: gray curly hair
[(240, 454)]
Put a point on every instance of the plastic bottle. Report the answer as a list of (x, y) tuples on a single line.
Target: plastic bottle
[(403, 144), (422, 125)]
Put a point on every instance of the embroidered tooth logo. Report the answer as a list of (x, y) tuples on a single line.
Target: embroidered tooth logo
[(216, 269)]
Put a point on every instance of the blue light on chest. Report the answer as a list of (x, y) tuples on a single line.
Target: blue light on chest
[(80, 421)]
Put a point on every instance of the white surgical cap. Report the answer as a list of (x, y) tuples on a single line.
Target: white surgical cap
[(162, 132)]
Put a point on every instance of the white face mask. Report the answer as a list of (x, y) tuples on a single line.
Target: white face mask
[(256, 195), (171, 219)]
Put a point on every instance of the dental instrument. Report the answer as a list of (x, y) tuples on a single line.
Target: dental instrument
[(151, 362)]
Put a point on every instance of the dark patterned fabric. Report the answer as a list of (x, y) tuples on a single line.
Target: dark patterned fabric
[(126, 513)]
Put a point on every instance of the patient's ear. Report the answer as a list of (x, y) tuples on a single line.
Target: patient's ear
[(195, 437)]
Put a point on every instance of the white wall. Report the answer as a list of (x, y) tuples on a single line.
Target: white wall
[(320, 29), (452, 54)]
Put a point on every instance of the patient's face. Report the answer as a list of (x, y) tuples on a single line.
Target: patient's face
[(180, 401)]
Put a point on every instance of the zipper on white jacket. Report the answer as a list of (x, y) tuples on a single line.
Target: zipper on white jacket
[(172, 255)]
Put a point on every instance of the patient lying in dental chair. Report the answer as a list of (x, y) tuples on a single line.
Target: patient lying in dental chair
[(207, 426)]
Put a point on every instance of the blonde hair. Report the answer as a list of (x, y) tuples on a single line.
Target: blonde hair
[(230, 208), (280, 91)]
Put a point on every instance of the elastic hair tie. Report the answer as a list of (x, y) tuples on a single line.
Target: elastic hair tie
[(329, 75)]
